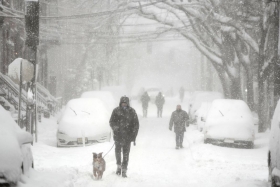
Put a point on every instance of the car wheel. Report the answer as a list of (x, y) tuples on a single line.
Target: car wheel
[(206, 141), (5, 185), (273, 182), (22, 168)]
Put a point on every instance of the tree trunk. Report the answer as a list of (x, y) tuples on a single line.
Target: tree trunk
[(261, 58), (209, 76), (235, 88), (261, 106), (246, 63), (250, 87), (224, 80)]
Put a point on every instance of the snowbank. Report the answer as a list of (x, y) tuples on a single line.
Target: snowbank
[(46, 179), (84, 115), (248, 184), (230, 119)]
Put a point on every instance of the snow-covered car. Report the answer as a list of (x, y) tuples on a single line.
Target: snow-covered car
[(230, 122), (104, 96), (198, 98), (201, 115), (15, 144), (274, 149), (84, 121)]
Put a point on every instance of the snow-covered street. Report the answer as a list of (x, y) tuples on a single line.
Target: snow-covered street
[(153, 161), (139, 93)]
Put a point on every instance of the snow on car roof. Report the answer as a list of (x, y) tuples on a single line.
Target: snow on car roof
[(84, 114), (230, 119), (86, 107), (229, 108)]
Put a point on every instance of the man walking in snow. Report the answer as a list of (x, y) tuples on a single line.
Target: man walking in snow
[(124, 123), (145, 103), (159, 102), (180, 119)]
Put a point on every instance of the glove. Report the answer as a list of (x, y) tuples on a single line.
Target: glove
[(170, 128)]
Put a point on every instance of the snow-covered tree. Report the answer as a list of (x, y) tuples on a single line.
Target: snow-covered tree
[(227, 32)]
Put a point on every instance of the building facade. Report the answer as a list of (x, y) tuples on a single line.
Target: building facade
[(12, 36)]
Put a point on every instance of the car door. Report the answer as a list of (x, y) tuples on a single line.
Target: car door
[(277, 137), (274, 138)]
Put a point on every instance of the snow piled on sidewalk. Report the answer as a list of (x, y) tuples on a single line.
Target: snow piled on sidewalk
[(49, 178), (248, 184)]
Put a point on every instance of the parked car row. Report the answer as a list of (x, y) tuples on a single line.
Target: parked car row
[(230, 122), (200, 98)]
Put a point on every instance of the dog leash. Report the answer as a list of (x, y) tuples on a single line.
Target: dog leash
[(109, 150)]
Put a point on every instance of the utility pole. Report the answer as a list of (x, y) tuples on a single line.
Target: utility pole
[(19, 97), (32, 41)]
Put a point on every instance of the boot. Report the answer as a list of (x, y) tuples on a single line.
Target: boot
[(119, 170), (177, 147), (124, 174)]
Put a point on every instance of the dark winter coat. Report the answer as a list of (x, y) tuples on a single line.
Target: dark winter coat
[(180, 119), (124, 123), (160, 101), (145, 100)]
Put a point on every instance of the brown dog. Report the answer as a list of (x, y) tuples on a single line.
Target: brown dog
[(99, 165)]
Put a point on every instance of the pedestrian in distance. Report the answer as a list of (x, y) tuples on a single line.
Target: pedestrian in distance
[(182, 94), (180, 120), (145, 103), (159, 103), (125, 125)]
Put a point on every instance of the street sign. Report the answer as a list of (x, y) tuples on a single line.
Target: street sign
[(27, 70)]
